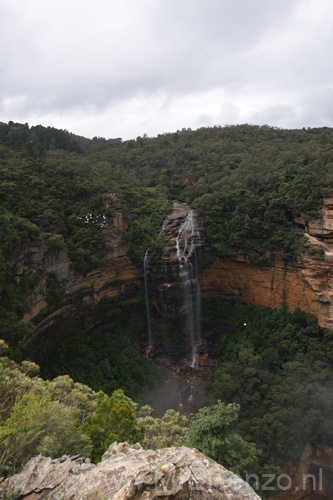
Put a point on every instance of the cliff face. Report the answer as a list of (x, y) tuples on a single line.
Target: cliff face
[(114, 280), (128, 473), (168, 281), (308, 285), (172, 283)]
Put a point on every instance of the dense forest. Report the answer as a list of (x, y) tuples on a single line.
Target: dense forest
[(248, 184)]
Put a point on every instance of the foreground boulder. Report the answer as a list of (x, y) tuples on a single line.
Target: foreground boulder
[(128, 473)]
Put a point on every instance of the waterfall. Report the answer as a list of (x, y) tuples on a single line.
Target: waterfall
[(180, 402), (189, 283), (191, 382), (175, 282), (148, 308)]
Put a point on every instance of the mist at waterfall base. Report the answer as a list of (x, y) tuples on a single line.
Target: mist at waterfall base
[(180, 386)]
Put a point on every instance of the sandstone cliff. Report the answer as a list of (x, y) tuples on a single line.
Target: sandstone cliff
[(308, 285), (182, 236), (114, 280), (128, 473)]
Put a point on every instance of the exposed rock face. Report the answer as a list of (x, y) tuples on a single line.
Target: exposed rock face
[(173, 282), (312, 477), (129, 473), (323, 227), (182, 237), (116, 278), (308, 285)]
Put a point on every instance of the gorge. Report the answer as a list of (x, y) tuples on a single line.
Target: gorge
[(173, 290), (103, 278), (307, 285)]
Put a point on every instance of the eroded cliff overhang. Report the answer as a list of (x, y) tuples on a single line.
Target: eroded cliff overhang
[(307, 285)]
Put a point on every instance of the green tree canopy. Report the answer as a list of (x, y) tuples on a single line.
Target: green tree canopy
[(212, 431), (170, 430), (38, 425), (114, 420)]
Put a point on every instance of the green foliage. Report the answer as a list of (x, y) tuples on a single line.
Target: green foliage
[(146, 208), (212, 431), (106, 358), (18, 379), (114, 420), (64, 436), (170, 430), (16, 495), (55, 291), (14, 383), (80, 398), (22, 430), (21, 136), (247, 182), (277, 366), (38, 416), (38, 425), (56, 243)]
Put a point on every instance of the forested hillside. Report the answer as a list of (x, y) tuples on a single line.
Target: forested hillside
[(248, 184), (251, 186)]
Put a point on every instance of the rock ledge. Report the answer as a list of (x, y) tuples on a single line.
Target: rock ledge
[(128, 473)]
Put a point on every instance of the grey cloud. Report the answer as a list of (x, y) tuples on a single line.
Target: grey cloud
[(68, 58)]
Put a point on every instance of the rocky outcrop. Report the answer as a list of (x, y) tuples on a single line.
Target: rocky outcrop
[(115, 279), (323, 226), (128, 473), (307, 285)]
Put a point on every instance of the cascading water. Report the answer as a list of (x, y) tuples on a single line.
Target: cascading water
[(148, 307), (189, 283), (191, 382), (174, 284)]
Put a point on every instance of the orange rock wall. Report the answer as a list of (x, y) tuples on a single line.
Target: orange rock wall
[(117, 278), (308, 285), (278, 286)]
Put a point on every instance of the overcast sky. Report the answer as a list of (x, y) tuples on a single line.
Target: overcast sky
[(129, 67)]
